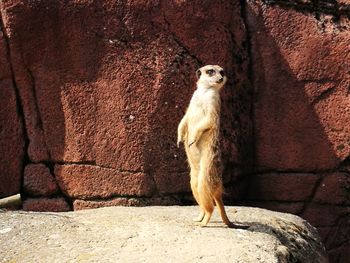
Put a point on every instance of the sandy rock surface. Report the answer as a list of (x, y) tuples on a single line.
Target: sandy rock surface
[(156, 234)]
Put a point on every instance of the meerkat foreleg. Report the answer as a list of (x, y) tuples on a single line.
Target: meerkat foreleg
[(204, 125), (181, 130)]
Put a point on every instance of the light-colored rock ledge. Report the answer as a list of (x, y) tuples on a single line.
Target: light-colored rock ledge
[(156, 234)]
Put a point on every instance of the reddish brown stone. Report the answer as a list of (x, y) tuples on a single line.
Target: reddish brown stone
[(340, 254), (301, 84), (235, 192), (87, 181), (38, 180), (11, 135), (337, 242), (110, 91), (324, 232), (339, 233), (324, 215), (46, 205), (290, 207), (281, 186), (334, 189)]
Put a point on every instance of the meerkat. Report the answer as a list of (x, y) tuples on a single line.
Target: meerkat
[(199, 131)]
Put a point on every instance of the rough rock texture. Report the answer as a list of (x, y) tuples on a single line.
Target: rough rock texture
[(46, 205), (92, 92), (335, 185), (38, 181), (11, 133), (282, 187), (112, 80), (126, 234), (301, 78), (300, 59), (86, 181)]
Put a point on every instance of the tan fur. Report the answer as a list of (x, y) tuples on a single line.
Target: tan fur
[(199, 131)]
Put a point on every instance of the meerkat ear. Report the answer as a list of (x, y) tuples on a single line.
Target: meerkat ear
[(198, 73)]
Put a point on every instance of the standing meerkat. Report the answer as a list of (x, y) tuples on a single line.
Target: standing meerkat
[(199, 130)]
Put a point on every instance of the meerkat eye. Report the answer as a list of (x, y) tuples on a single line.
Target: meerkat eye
[(210, 72), (222, 73)]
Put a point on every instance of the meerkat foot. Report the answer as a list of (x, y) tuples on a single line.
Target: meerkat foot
[(199, 218), (205, 219)]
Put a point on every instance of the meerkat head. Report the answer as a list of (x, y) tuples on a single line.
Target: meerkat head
[(211, 76)]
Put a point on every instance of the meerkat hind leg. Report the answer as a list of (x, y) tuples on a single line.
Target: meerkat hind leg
[(206, 218), (194, 187), (207, 205)]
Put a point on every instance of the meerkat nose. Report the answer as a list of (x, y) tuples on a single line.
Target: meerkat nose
[(220, 80)]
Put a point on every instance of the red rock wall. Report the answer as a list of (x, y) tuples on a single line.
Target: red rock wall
[(103, 85), (300, 57), (92, 92), (12, 138)]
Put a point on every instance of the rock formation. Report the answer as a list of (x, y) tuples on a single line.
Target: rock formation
[(92, 92), (129, 234)]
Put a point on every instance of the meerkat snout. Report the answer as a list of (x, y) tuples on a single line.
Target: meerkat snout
[(222, 73)]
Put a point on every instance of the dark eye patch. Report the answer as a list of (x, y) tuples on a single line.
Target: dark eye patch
[(210, 72), (222, 73)]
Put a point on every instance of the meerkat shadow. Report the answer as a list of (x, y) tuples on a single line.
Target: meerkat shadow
[(219, 224), (239, 226)]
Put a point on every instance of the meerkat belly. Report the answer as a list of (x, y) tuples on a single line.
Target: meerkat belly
[(193, 152)]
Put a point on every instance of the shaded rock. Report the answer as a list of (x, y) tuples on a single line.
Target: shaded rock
[(124, 234), (57, 204), (294, 208), (334, 189), (337, 242), (11, 134), (282, 186), (301, 84), (324, 214), (38, 180)]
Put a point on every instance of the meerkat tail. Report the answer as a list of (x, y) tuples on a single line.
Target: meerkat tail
[(222, 211)]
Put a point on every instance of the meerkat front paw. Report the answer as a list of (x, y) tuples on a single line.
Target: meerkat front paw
[(178, 143), (189, 145), (199, 218), (192, 140)]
